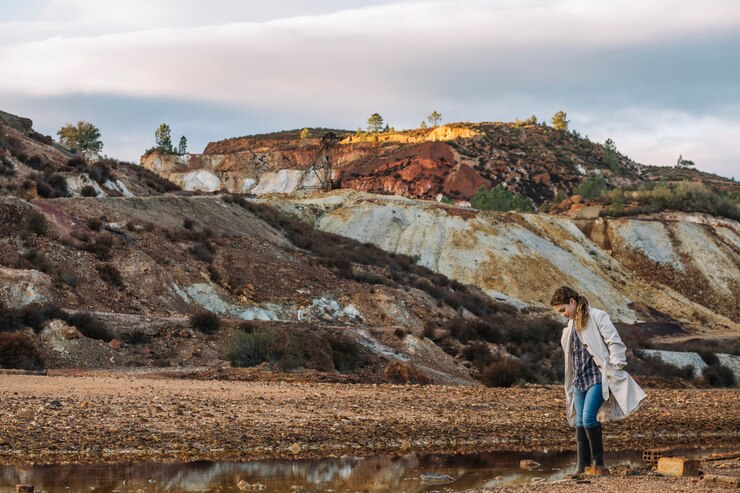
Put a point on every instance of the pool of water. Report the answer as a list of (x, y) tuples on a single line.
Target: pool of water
[(348, 474)]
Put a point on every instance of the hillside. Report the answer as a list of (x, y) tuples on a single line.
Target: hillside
[(453, 160), (340, 286)]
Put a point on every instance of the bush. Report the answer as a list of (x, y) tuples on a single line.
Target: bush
[(653, 366), (33, 315), (94, 223), (202, 252), (248, 349), (505, 373), (188, 223), (345, 353), (34, 222), (591, 187), (718, 375), (90, 326), (18, 351), (110, 274), (88, 191), (205, 322)]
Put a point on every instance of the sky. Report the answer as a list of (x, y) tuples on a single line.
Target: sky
[(661, 78)]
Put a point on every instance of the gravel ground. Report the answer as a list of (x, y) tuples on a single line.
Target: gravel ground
[(116, 417)]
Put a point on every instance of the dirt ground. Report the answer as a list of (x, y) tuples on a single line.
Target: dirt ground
[(117, 417)]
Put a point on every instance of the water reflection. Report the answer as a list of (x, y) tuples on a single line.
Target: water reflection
[(349, 474)]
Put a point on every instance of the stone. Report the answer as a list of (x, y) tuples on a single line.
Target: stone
[(529, 464), (24, 488), (434, 478), (69, 332), (725, 481), (678, 466), (115, 344)]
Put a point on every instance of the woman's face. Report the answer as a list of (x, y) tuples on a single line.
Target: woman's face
[(567, 310)]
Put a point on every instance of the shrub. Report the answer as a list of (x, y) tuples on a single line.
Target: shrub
[(90, 326), (37, 260), (33, 315), (477, 352), (110, 274), (94, 223), (136, 337), (205, 322), (718, 375), (202, 253), (18, 351), (400, 333), (505, 373), (591, 187), (655, 367), (252, 348), (88, 191), (34, 222), (188, 223), (345, 353), (214, 274)]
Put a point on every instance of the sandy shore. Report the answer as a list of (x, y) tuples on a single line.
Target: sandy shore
[(118, 417)]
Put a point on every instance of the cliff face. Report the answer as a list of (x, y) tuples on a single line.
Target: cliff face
[(453, 160), (685, 266)]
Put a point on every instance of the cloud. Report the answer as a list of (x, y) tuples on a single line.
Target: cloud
[(324, 62)]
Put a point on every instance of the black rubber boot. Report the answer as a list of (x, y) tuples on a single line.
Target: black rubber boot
[(597, 449), (584, 452)]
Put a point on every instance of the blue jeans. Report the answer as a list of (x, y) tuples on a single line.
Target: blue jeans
[(587, 405)]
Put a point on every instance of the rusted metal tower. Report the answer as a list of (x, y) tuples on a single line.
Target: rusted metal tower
[(321, 165)]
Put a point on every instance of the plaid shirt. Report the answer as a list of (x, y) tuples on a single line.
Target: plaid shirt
[(585, 372)]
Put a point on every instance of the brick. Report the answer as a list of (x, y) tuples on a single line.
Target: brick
[(678, 466)]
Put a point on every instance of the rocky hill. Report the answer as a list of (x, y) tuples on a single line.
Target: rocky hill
[(345, 285), (33, 165), (452, 160)]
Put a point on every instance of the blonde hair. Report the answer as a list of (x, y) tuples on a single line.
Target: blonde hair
[(563, 295)]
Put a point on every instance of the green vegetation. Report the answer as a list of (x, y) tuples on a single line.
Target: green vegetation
[(684, 163), (162, 139), (183, 147), (205, 322), (610, 158), (305, 133), (500, 199), (592, 187), (375, 123), (434, 118), (683, 197), (253, 347), (559, 121), (532, 120), (83, 137)]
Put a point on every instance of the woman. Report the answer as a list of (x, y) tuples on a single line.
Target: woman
[(596, 386)]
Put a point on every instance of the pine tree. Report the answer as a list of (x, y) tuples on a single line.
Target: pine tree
[(162, 138), (183, 147), (423, 125), (610, 158), (434, 118), (375, 123)]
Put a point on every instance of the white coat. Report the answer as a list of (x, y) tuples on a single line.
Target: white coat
[(622, 395)]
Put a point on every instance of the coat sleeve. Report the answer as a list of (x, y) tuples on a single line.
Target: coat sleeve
[(617, 349)]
